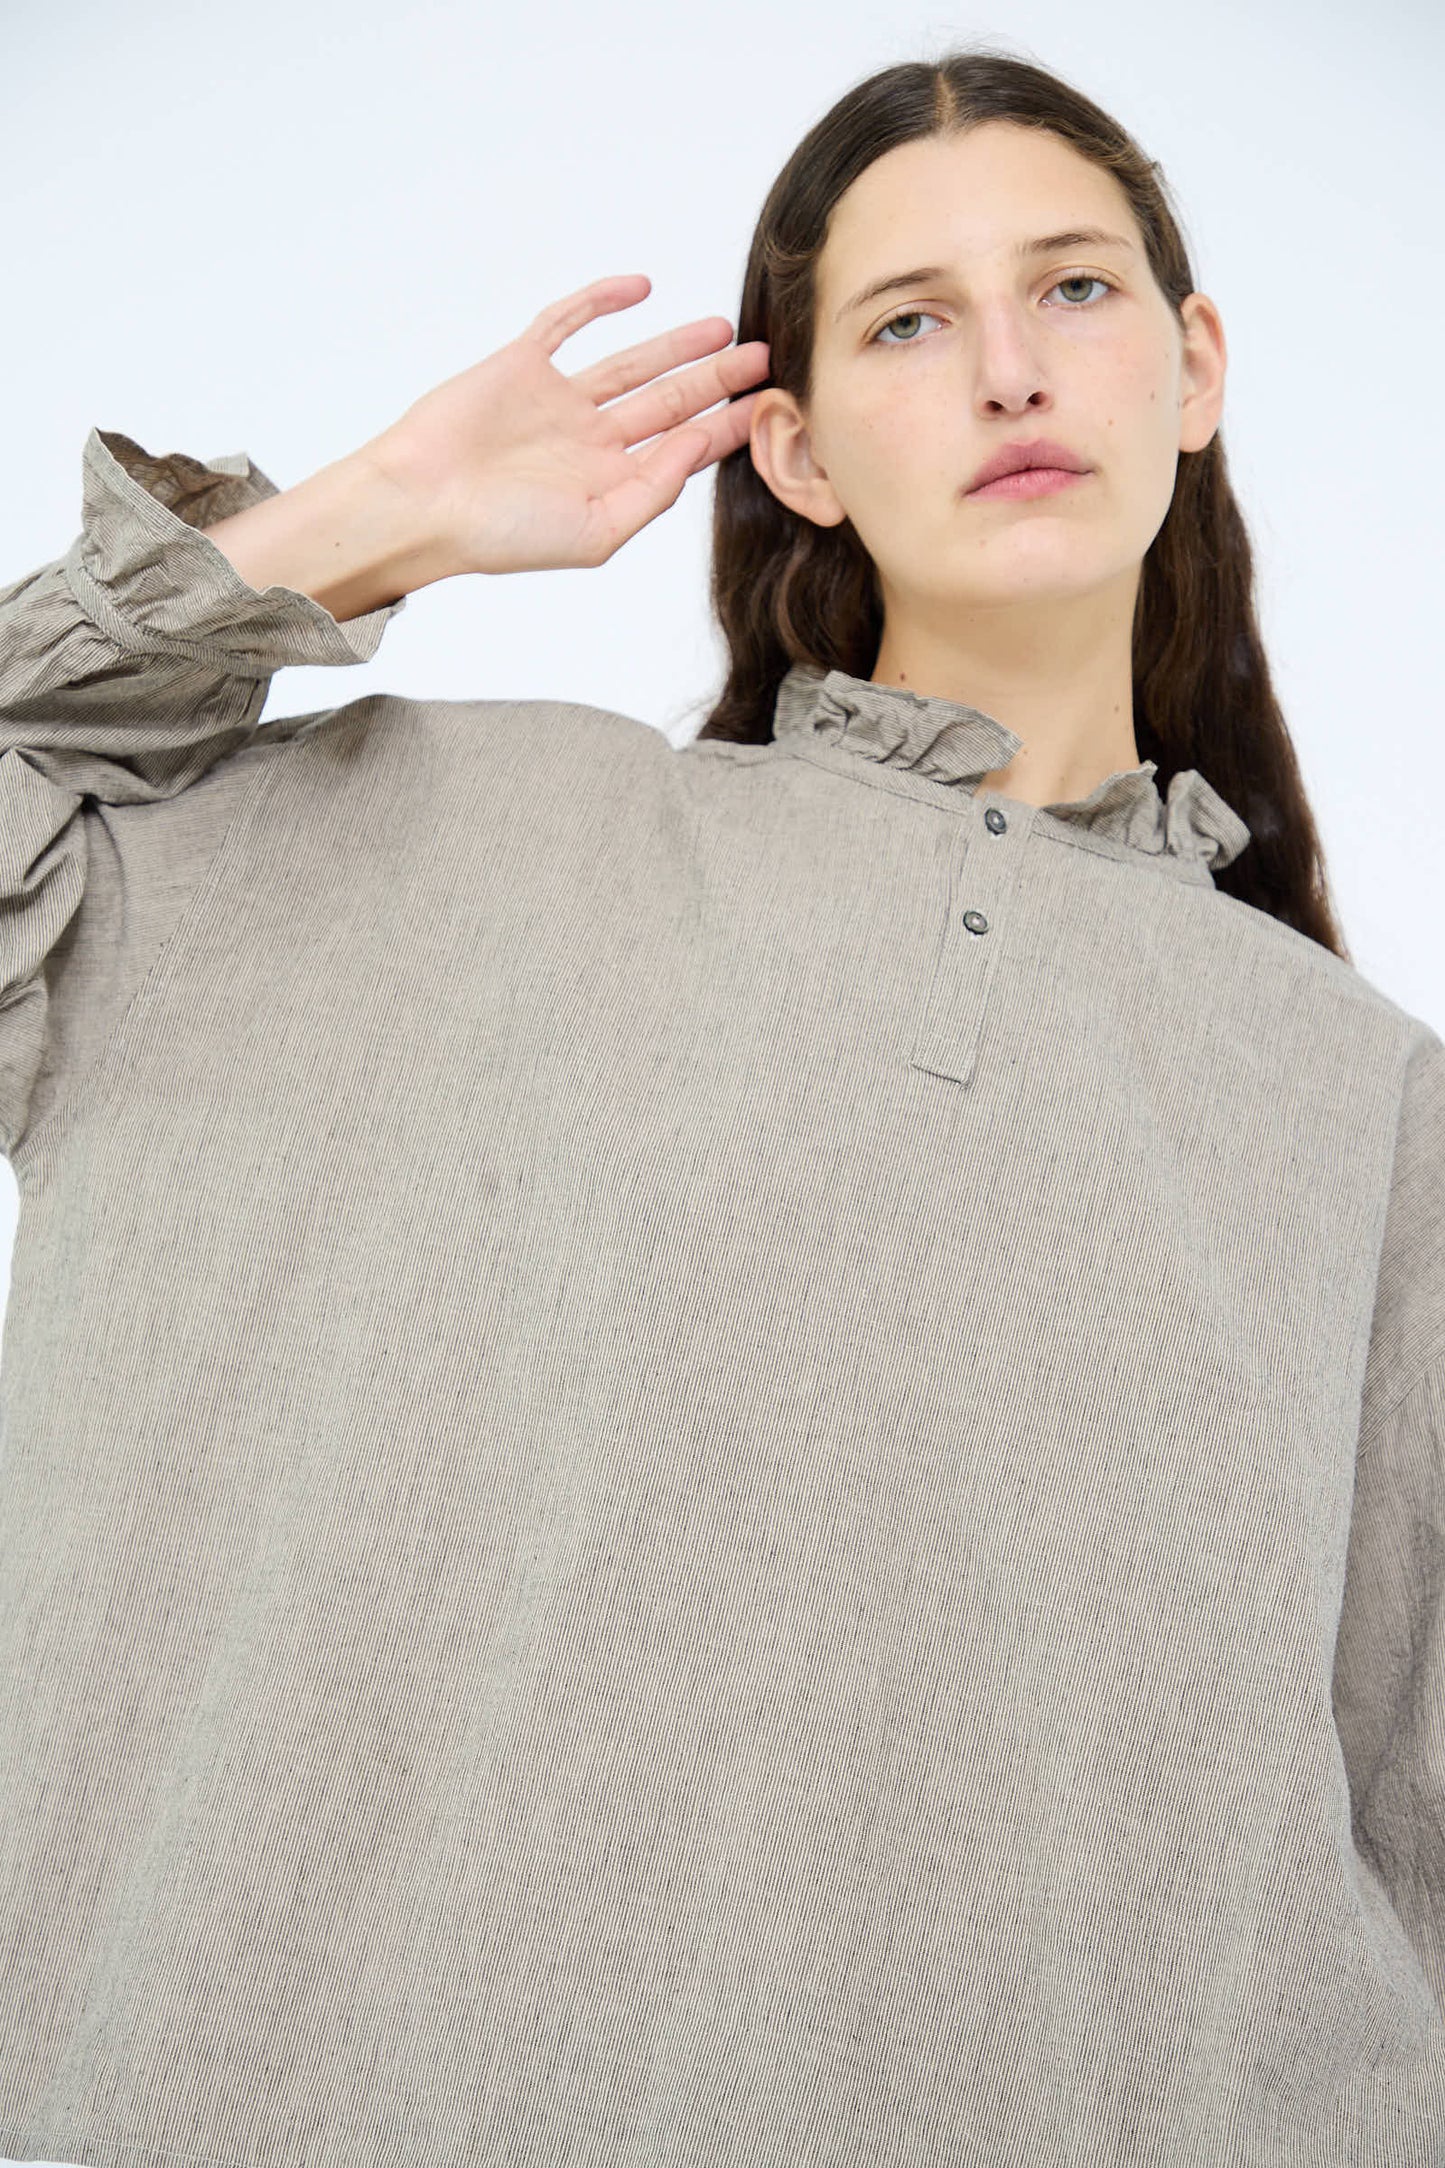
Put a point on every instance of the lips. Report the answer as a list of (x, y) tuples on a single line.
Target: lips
[(1016, 458)]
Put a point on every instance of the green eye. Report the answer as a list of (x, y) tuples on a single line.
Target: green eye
[(908, 316), (1082, 278), (911, 316)]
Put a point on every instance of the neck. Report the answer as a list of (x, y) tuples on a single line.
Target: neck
[(1060, 677)]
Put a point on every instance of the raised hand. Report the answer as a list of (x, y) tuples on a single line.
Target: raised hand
[(513, 466)]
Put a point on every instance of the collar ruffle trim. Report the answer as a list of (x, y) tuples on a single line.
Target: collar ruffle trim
[(948, 743)]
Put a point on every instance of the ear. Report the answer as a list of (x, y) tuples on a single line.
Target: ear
[(1206, 359), (782, 453)]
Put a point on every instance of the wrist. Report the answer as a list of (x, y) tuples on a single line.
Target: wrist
[(344, 537)]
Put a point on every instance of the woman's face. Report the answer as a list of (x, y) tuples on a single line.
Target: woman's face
[(915, 389)]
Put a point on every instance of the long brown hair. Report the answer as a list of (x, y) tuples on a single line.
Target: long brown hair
[(786, 591)]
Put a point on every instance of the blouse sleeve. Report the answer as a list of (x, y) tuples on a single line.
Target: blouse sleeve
[(130, 668), (1389, 1676)]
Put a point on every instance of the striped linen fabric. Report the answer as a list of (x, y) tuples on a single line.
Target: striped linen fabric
[(712, 1457)]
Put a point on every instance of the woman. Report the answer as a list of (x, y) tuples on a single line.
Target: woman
[(729, 1454)]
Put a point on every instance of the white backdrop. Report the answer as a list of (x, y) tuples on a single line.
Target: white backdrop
[(271, 231)]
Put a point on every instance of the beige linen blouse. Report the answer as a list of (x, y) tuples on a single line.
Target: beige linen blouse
[(712, 1457)]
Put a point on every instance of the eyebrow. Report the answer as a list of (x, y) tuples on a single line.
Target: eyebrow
[(1049, 244)]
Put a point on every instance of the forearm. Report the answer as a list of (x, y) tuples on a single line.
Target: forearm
[(342, 536)]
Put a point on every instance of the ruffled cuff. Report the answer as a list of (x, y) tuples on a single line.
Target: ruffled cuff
[(154, 584)]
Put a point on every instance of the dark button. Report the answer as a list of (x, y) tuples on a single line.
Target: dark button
[(975, 921), (995, 820)]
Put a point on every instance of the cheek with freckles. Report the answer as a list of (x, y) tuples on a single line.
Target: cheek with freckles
[(900, 450), (1145, 394), (1129, 421)]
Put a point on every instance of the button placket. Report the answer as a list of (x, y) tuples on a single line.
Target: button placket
[(983, 873)]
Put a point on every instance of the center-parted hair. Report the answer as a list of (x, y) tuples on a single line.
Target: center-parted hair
[(786, 591)]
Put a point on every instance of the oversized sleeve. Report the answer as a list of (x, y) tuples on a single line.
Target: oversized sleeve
[(131, 669), (1389, 1676)]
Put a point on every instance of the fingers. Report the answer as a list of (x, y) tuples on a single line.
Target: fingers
[(601, 298), (678, 398), (618, 373), (660, 475), (722, 433), (656, 482), (695, 445), (609, 378)]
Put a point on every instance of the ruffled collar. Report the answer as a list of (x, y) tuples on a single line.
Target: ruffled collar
[(946, 742)]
